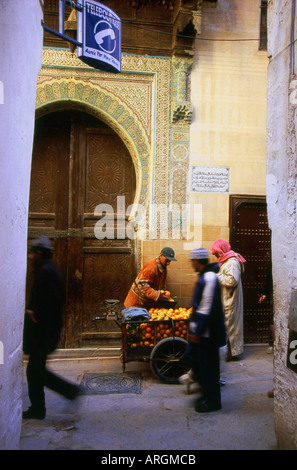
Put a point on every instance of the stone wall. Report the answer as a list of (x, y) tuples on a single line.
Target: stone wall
[(281, 197), (20, 56)]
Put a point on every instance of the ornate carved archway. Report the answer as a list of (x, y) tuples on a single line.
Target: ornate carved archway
[(110, 109)]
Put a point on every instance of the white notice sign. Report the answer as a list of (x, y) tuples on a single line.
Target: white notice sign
[(210, 179)]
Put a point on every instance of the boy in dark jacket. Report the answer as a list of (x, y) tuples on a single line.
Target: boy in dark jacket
[(206, 332)]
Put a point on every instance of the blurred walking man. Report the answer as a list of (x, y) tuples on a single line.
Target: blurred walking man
[(42, 328)]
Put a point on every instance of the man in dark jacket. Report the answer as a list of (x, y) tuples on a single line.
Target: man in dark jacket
[(206, 332), (42, 328)]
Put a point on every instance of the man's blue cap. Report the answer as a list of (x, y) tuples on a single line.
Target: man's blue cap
[(168, 253)]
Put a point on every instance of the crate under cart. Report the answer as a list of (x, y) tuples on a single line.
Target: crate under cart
[(161, 342)]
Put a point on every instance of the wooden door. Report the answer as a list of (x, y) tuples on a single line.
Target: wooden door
[(48, 204), (78, 163), (250, 236)]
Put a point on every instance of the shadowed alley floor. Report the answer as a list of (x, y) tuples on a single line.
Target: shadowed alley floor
[(162, 417)]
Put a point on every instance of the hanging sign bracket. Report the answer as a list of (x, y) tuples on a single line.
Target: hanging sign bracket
[(61, 33)]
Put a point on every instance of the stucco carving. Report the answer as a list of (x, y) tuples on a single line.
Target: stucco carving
[(153, 73), (111, 110), (181, 116), (138, 104)]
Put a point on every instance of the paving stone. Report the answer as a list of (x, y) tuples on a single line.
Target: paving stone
[(162, 417)]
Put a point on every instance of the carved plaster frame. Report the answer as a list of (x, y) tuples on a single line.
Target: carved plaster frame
[(159, 147), (112, 111)]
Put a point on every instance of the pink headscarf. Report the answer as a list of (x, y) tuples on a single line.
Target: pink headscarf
[(222, 250)]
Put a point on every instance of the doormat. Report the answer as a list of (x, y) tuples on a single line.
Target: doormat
[(103, 384)]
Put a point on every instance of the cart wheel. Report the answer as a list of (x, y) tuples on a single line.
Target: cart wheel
[(167, 359)]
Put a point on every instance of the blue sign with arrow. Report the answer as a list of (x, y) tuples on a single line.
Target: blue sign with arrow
[(100, 32)]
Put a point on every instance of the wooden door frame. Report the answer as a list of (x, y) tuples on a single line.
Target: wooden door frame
[(74, 265)]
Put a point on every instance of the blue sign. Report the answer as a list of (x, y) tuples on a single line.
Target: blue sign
[(100, 32)]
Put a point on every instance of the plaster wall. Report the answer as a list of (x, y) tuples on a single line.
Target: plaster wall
[(228, 93), (20, 57), (281, 197)]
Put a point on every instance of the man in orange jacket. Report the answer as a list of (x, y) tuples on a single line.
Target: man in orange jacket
[(146, 289)]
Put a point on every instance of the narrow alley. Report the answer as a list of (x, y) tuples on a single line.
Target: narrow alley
[(160, 417)]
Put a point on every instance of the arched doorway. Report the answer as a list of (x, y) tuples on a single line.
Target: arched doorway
[(78, 163)]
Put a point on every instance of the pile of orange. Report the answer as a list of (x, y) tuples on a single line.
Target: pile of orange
[(147, 335), (162, 324), (181, 313)]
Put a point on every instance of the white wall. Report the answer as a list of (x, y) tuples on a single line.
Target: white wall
[(282, 198), (21, 37)]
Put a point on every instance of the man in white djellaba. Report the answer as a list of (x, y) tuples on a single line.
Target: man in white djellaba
[(231, 269)]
